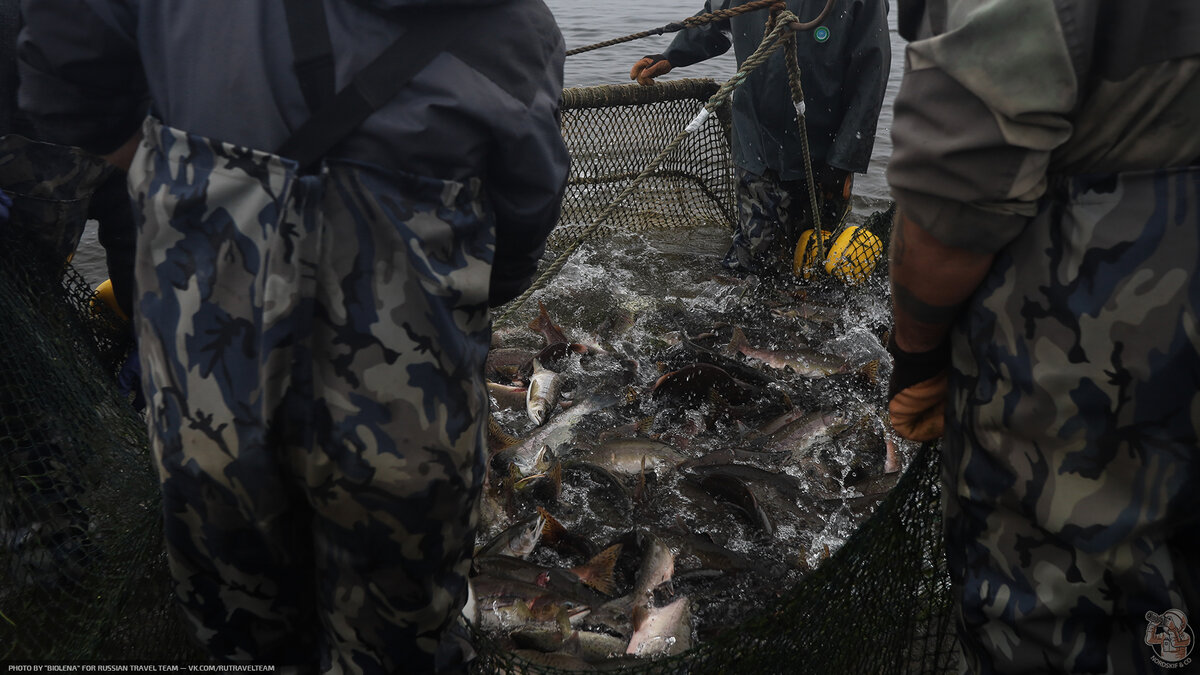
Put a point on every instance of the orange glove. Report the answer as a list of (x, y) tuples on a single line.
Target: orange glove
[(918, 413), (917, 391), (648, 68)]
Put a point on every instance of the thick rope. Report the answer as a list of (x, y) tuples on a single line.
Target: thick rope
[(675, 26), (772, 41), (797, 90)]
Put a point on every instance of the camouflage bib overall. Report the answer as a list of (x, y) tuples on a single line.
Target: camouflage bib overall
[(1073, 492), (313, 350)]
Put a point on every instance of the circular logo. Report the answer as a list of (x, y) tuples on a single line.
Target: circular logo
[(821, 34), (1170, 636)]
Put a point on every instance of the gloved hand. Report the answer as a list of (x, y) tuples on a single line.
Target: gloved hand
[(917, 391), (5, 205), (650, 67)]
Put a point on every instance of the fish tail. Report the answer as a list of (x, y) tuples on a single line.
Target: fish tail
[(871, 372), (553, 531), (498, 439), (542, 322), (738, 341), (598, 572)]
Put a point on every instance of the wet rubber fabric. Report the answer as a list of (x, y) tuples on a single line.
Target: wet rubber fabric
[(1070, 459), (313, 350), (771, 215)]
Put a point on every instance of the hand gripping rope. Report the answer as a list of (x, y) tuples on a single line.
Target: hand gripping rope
[(782, 27)]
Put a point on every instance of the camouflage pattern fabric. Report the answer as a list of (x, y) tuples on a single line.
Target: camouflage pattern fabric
[(771, 215), (313, 350), (50, 185), (1070, 459)]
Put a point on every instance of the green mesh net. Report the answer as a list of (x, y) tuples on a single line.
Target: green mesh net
[(82, 571)]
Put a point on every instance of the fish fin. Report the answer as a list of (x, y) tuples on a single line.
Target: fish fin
[(598, 572), (643, 425), (542, 320), (544, 325), (553, 531), (871, 372), (498, 439), (640, 613), (639, 492), (508, 493), (738, 341), (555, 474), (717, 400)]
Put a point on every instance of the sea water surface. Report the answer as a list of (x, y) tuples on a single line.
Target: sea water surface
[(586, 23)]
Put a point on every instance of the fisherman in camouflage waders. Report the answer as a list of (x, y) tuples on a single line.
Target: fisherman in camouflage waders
[(844, 65), (1046, 296), (313, 334)]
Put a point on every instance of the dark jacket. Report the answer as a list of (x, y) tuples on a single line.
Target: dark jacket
[(223, 69), (11, 119), (843, 78), (1087, 88)]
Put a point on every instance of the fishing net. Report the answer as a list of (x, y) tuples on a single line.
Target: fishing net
[(880, 604), (82, 570), (81, 556), (614, 131)]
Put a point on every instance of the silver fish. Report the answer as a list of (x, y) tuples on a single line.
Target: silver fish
[(518, 540), (591, 646), (806, 363), (630, 456), (507, 397), (663, 631), (542, 396), (657, 568), (555, 434)]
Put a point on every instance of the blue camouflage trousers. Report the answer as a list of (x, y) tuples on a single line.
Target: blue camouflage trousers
[(313, 350), (1072, 483)]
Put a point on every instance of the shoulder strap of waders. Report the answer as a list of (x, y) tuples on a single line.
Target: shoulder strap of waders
[(335, 116)]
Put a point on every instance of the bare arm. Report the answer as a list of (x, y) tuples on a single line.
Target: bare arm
[(123, 156), (930, 282)]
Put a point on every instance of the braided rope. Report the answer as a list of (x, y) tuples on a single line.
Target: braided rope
[(797, 90), (690, 22), (772, 41)]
